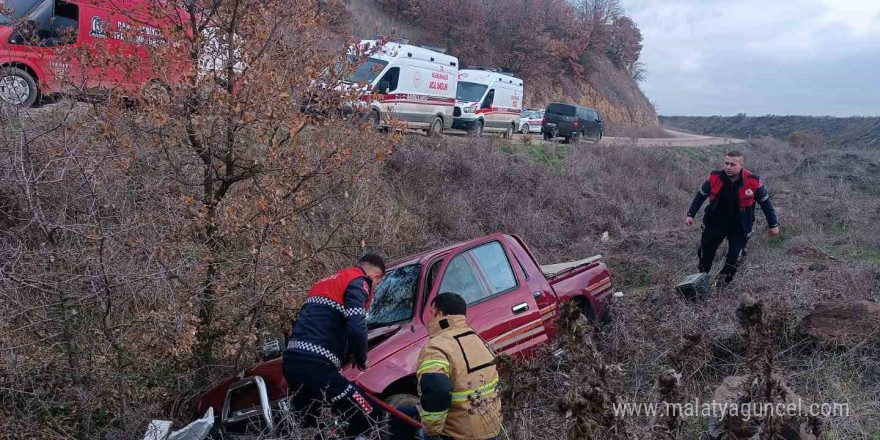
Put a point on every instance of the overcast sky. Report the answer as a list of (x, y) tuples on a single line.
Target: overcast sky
[(798, 57)]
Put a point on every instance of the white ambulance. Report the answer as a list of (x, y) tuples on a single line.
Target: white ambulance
[(408, 83), (487, 100)]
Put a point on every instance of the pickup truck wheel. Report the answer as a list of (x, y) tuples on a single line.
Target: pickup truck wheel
[(575, 138), (18, 88), (547, 137), (525, 129), (584, 307), (397, 401)]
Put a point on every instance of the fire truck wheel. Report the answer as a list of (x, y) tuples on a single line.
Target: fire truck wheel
[(436, 128), (18, 88), (156, 93)]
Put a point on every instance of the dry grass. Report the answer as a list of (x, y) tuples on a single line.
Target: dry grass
[(560, 198)]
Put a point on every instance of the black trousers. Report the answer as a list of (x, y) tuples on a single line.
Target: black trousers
[(314, 382), (709, 243), (402, 431)]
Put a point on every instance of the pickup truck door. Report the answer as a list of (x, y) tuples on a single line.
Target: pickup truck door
[(501, 308), (542, 292)]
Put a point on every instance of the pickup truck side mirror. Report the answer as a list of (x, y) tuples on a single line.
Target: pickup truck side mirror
[(383, 87)]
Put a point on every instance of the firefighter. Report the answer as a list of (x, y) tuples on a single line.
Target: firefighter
[(457, 379), (732, 193), (331, 327)]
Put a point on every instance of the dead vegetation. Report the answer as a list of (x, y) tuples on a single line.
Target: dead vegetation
[(146, 249), (58, 263)]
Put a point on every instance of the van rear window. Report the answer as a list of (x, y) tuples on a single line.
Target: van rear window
[(561, 109)]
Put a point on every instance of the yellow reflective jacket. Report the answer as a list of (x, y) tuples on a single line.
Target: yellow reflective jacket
[(458, 382)]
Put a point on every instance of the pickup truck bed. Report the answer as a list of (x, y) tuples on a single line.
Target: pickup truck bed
[(551, 270)]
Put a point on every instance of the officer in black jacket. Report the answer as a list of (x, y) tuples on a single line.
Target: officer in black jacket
[(732, 193), (330, 328)]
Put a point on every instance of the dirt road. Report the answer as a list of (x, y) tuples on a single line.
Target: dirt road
[(679, 139)]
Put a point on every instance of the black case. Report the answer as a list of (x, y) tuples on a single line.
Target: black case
[(694, 286)]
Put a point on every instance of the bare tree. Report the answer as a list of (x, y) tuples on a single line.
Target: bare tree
[(154, 234)]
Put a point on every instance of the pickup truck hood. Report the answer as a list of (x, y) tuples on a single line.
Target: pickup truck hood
[(393, 354), (383, 342)]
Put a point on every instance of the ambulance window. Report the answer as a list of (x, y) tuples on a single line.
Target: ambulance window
[(393, 77), (470, 92), (490, 98), (368, 71)]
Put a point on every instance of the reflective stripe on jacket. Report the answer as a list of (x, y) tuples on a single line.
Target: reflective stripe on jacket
[(331, 324), (458, 382)]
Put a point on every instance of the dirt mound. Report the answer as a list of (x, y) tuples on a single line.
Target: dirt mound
[(843, 322)]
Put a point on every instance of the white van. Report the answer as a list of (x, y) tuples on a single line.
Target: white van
[(487, 100), (408, 83)]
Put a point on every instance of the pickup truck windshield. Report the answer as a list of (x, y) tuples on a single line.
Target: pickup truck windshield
[(15, 9), (395, 297), (368, 71), (470, 92)]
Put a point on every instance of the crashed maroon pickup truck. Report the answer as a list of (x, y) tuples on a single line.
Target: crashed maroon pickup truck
[(512, 305)]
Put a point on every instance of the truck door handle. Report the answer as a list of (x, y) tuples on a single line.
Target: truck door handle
[(519, 308)]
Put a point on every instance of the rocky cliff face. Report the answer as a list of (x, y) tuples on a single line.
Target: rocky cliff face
[(608, 89)]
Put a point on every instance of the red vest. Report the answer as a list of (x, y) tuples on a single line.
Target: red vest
[(746, 191), (333, 287)]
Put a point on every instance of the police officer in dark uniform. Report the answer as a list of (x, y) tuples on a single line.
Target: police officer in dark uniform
[(732, 193), (331, 327)]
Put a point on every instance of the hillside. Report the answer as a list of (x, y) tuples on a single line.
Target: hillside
[(853, 131), (424, 193), (151, 248), (527, 39)]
